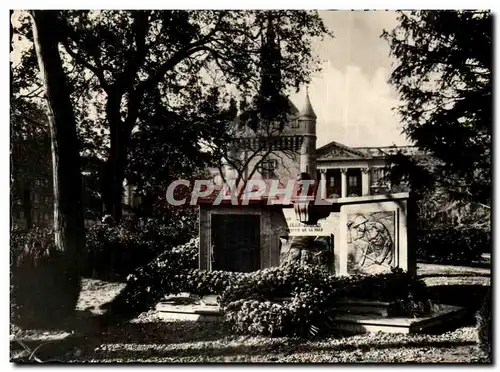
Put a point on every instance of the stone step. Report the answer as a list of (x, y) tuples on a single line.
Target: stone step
[(445, 315), (365, 307), (358, 323), (197, 312), (208, 305)]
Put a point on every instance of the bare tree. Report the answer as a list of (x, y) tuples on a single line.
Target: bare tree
[(244, 153)]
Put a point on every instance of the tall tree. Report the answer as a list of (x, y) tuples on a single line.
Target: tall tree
[(129, 54), (443, 77), (167, 148), (68, 212), (256, 136)]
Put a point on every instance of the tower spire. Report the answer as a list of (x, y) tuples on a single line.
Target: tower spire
[(307, 111)]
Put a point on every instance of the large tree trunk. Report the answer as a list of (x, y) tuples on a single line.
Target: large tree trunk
[(11, 45), (68, 211), (27, 205), (11, 12), (115, 174)]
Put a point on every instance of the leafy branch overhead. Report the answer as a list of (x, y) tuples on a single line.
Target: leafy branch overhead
[(146, 79), (177, 56)]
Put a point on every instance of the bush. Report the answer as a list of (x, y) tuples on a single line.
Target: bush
[(291, 300), (286, 300), (42, 292), (452, 245), (146, 286), (484, 326), (300, 300), (113, 252), (116, 251)]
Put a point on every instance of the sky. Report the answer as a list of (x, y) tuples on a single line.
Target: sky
[(351, 96)]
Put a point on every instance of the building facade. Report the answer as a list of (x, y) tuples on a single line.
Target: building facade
[(361, 208), (346, 171)]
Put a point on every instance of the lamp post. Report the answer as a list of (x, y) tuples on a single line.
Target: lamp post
[(306, 210)]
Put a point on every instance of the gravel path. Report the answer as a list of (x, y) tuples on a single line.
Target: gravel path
[(190, 342)]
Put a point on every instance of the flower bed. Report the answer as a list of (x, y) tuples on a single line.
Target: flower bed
[(288, 300)]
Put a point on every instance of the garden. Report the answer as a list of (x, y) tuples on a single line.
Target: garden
[(86, 292), (281, 314)]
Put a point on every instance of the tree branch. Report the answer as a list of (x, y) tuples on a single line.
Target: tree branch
[(180, 55), (95, 69)]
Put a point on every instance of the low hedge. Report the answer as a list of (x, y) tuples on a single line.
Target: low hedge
[(300, 300), (484, 326), (452, 245), (287, 300), (113, 252)]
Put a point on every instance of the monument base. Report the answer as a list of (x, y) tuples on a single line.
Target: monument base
[(445, 316), (364, 317)]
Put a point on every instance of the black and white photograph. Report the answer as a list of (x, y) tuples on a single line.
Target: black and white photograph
[(250, 186)]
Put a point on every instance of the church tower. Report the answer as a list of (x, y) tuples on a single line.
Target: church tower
[(307, 122)]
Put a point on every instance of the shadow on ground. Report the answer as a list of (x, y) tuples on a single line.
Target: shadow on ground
[(70, 349), (469, 297), (87, 335), (79, 321)]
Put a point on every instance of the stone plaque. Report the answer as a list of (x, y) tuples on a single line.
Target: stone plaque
[(324, 227), (371, 242)]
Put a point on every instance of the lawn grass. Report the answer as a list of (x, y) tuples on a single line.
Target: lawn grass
[(150, 340)]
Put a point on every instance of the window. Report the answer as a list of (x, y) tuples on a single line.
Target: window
[(377, 176), (332, 182), (295, 123), (267, 168), (353, 181)]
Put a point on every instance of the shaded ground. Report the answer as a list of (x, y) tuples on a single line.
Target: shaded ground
[(148, 339)]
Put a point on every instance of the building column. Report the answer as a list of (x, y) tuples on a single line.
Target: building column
[(343, 183), (322, 183), (365, 181)]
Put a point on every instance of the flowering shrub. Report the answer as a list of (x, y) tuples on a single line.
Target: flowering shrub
[(203, 282), (300, 300), (290, 300), (277, 301)]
